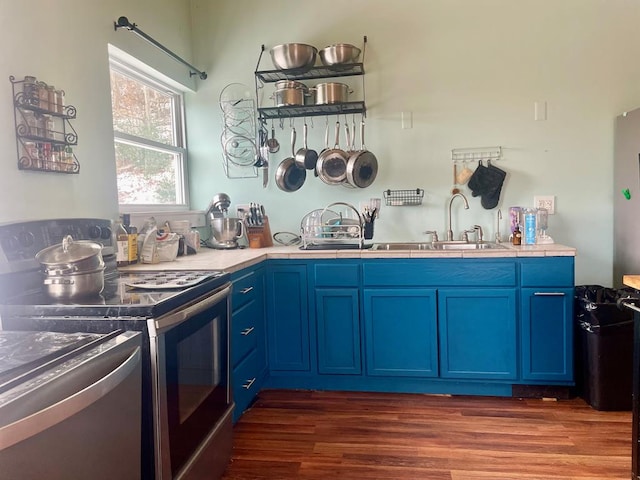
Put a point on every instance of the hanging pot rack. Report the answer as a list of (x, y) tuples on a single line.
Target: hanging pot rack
[(123, 22)]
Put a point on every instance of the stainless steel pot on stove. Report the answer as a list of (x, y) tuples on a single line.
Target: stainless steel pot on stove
[(73, 269)]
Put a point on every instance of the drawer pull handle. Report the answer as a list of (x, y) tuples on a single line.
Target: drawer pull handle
[(246, 290), (549, 294), (247, 331), (249, 383)]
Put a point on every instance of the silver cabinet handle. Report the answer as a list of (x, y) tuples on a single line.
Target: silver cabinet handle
[(246, 290), (247, 331), (58, 412), (249, 383), (549, 294)]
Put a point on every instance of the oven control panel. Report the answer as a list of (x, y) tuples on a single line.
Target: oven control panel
[(21, 241)]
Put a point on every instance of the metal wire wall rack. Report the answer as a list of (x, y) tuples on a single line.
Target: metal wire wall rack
[(400, 198), (476, 154), (44, 134), (263, 77)]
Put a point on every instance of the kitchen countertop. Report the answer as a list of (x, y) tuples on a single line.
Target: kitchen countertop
[(237, 259), (632, 281)]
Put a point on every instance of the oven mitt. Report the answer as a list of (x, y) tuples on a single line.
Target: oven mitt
[(478, 180), (495, 176)]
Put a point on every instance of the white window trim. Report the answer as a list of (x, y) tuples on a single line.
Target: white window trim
[(128, 65)]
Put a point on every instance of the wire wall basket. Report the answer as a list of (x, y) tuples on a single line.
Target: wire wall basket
[(399, 198)]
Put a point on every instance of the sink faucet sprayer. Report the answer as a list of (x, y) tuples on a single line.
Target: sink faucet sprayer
[(498, 239), (466, 207)]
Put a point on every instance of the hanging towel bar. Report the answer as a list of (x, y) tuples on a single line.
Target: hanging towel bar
[(123, 22)]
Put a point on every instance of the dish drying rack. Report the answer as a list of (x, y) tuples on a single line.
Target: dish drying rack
[(327, 228), (399, 198)]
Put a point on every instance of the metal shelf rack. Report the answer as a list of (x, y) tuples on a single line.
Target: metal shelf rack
[(43, 133)]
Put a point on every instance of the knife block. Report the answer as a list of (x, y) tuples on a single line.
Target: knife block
[(263, 232)]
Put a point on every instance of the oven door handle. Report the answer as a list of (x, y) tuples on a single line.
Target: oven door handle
[(51, 415), (183, 313)]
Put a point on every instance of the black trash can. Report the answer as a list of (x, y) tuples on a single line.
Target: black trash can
[(603, 347)]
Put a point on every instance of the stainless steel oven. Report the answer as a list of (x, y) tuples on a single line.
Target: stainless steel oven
[(184, 320), (192, 390)]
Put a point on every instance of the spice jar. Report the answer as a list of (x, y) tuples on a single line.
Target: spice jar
[(43, 96), (30, 91), (51, 97)]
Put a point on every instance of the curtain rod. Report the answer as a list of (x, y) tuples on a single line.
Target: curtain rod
[(123, 22)]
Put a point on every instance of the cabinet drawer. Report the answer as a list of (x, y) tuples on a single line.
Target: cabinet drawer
[(440, 273), (337, 275), (245, 382), (552, 272), (245, 288), (245, 330)]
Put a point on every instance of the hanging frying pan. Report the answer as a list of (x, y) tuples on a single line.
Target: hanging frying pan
[(362, 166), (332, 163), (289, 176), (306, 157)]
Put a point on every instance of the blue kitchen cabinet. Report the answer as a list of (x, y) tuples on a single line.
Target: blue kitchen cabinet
[(287, 317), (248, 337), (546, 320), (401, 332), (477, 332), (338, 331), (334, 287)]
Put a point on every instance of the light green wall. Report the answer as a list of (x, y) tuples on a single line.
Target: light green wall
[(64, 43), (470, 71)]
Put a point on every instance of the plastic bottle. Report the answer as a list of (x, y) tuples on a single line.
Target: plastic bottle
[(529, 226)]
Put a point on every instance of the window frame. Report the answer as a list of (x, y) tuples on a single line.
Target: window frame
[(145, 75)]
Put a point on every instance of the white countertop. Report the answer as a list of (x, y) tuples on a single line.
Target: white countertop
[(234, 260)]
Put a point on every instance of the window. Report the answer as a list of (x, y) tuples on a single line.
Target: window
[(148, 124)]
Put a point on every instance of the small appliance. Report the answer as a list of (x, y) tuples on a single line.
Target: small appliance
[(542, 218)]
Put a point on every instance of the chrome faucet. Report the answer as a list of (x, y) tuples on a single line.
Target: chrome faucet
[(466, 207), (479, 233), (434, 235)]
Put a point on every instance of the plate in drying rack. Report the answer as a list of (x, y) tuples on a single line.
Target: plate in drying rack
[(169, 280)]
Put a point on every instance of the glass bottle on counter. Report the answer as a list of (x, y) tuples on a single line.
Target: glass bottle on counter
[(122, 244), (132, 239), (517, 236)]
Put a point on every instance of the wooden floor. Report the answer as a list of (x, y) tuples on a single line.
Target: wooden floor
[(346, 435)]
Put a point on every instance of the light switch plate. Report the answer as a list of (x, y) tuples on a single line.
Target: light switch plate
[(545, 201)]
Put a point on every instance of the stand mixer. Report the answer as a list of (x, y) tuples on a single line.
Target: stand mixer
[(224, 232), (542, 218)]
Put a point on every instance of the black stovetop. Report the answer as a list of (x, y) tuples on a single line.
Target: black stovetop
[(126, 294)]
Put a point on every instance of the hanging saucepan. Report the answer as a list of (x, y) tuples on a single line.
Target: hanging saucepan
[(289, 176), (72, 269), (332, 163), (306, 157), (362, 166)]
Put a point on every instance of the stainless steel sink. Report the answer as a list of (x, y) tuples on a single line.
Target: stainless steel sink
[(453, 245), (403, 246), (466, 246)]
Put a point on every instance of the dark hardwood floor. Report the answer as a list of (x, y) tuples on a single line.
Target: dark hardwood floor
[(355, 435)]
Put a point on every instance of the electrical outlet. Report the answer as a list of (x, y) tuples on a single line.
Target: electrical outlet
[(545, 201)]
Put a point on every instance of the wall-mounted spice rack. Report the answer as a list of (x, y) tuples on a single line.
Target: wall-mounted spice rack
[(44, 134)]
